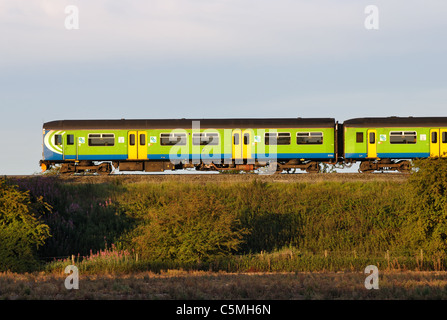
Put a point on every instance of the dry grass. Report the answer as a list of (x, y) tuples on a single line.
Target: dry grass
[(174, 284), (231, 178)]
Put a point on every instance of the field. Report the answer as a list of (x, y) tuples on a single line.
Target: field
[(205, 285), (220, 236)]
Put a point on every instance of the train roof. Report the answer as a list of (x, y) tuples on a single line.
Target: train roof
[(397, 122), (187, 123)]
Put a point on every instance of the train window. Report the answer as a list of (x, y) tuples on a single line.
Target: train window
[(278, 138), (58, 140), (444, 137), (309, 137), (101, 139), (70, 139), (270, 138), (403, 137), (205, 138), (359, 137), (246, 138), (142, 139), (434, 137), (173, 138), (132, 139), (236, 139), (372, 137)]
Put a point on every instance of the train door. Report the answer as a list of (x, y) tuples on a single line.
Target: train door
[(246, 146), (237, 145), (434, 143), (443, 143), (137, 145), (242, 145), (142, 145), (70, 147), (372, 143)]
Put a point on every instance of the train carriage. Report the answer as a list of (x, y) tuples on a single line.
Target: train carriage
[(390, 143), (204, 144)]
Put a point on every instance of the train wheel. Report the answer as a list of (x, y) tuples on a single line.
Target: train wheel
[(404, 166), (104, 169), (314, 167)]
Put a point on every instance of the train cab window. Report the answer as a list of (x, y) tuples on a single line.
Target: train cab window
[(359, 137), (403, 137), (173, 138), (309, 138), (58, 139), (434, 137), (142, 139), (205, 138), (70, 139), (101, 139), (278, 138)]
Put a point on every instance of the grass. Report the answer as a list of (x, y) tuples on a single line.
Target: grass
[(295, 226), (198, 285), (305, 239)]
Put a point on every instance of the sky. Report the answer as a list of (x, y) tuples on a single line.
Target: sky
[(160, 59)]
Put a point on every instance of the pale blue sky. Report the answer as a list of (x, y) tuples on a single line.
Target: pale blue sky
[(213, 58)]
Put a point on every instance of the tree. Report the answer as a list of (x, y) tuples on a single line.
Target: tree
[(21, 230), (426, 223)]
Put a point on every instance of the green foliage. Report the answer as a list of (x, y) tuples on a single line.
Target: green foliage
[(195, 227), (426, 210), (84, 216), (22, 231), (226, 224)]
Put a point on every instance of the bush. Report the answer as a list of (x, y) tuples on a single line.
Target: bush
[(196, 227), (84, 215), (426, 212), (21, 229)]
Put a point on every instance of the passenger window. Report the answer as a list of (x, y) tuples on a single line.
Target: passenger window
[(402, 137), (101, 139), (70, 139), (359, 137), (205, 138), (58, 140), (277, 138), (444, 137), (172, 139), (309, 137)]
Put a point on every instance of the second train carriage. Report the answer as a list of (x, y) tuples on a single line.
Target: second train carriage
[(391, 143), (204, 144)]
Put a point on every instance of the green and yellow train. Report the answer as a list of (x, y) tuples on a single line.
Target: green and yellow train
[(101, 146)]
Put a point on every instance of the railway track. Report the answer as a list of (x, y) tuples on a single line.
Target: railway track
[(224, 178)]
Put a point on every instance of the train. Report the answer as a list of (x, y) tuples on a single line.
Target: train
[(240, 144)]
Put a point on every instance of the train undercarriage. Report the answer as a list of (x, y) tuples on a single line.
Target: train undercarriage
[(370, 166), (271, 167), (105, 168)]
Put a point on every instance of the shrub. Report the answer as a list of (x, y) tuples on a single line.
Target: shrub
[(22, 231), (426, 212), (196, 227)]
